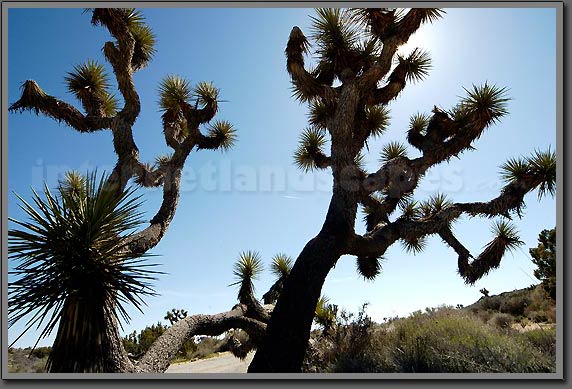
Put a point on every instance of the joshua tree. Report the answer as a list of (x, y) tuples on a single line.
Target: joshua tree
[(86, 306), (485, 292), (174, 315), (325, 314), (544, 256), (347, 93)]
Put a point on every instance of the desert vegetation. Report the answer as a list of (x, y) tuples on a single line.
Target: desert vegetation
[(81, 256), (439, 340)]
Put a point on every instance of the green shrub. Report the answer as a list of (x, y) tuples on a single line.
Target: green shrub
[(543, 339), (501, 320), (440, 341)]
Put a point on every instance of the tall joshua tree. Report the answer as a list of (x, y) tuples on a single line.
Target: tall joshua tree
[(347, 93), (185, 109)]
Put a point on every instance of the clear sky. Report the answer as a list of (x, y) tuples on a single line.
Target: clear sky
[(252, 197)]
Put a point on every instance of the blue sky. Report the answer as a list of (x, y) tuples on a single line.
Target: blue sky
[(252, 197)]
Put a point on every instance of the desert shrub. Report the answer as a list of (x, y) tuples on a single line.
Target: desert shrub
[(515, 305), (206, 347), (26, 361), (41, 352), (442, 340), (543, 339), (457, 342), (501, 320), (354, 345), (538, 316)]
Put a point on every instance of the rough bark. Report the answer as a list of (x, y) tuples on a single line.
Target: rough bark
[(159, 356)]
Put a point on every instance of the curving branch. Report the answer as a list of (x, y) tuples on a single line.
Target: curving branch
[(34, 99), (120, 56), (393, 35), (308, 85), (375, 243), (159, 356)]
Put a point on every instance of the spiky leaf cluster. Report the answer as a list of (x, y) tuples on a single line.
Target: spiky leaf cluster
[(73, 184), (246, 269), (87, 78), (224, 133), (416, 65), (410, 210), (434, 204), (414, 245), (369, 267), (325, 314), (336, 38), (392, 150), (174, 91), (488, 103), (506, 239), (281, 265), (540, 168), (90, 84), (115, 19), (206, 93), (376, 119), (161, 161), (311, 143), (73, 246)]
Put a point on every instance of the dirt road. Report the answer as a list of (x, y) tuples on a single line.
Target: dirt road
[(225, 363)]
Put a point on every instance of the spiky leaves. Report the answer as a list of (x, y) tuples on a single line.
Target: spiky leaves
[(73, 184), (89, 79), (325, 314), (433, 205), (281, 266), (246, 269), (89, 83), (376, 120), (514, 169), (310, 154), (121, 20), (221, 135), (485, 104), (369, 267), (417, 126), (416, 65), (506, 239), (336, 37), (70, 260), (410, 210), (174, 92), (392, 150), (144, 49), (543, 168), (539, 169)]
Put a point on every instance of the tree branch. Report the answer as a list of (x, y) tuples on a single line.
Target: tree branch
[(307, 84), (397, 35), (158, 358), (375, 244), (35, 99), (120, 57)]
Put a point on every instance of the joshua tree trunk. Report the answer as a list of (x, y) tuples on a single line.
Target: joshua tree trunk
[(87, 340)]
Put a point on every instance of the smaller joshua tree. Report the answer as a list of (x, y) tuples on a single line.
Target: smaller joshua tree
[(174, 315), (73, 269)]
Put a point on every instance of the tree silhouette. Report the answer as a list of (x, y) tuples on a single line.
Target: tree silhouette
[(347, 93)]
